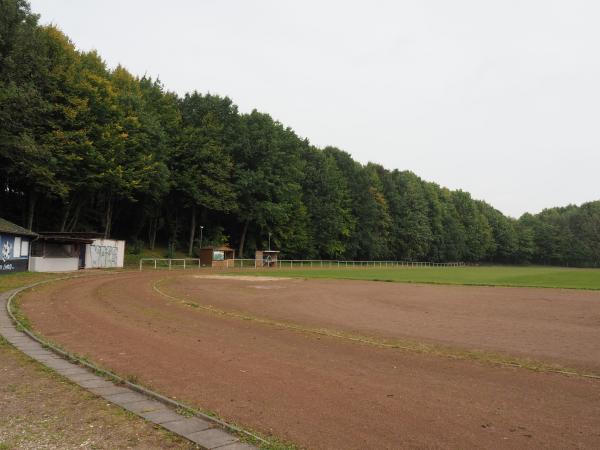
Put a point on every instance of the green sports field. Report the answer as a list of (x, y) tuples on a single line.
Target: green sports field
[(548, 277)]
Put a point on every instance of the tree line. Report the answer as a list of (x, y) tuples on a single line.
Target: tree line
[(85, 148)]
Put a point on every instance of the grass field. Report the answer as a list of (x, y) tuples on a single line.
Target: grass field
[(535, 276)]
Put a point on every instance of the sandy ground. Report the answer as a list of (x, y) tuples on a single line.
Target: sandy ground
[(323, 392), (39, 409)]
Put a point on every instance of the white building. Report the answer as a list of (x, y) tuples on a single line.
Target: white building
[(66, 252)]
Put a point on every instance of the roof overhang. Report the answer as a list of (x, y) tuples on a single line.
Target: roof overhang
[(61, 239)]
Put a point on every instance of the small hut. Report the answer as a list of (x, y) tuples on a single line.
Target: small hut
[(266, 258), (220, 257)]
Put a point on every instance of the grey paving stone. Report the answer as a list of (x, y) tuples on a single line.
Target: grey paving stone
[(161, 416), (97, 383), (145, 406), (125, 397), (73, 370), (212, 438), (33, 349), (50, 357), (15, 340), (10, 331), (79, 377), (187, 426), (57, 363), (30, 348), (108, 391), (237, 446), (36, 354)]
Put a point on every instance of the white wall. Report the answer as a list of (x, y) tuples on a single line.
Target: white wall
[(41, 264), (104, 253)]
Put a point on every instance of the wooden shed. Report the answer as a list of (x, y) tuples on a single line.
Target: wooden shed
[(266, 258), (220, 257)]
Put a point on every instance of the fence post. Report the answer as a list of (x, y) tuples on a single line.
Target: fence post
[(169, 264), (183, 263), (155, 263), (140, 264)]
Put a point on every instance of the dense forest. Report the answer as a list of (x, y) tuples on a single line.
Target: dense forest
[(84, 147)]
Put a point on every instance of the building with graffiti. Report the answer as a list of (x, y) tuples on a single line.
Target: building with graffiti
[(65, 252), (15, 242)]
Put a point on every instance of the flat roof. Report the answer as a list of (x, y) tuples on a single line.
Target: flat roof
[(62, 239), (222, 248), (74, 234)]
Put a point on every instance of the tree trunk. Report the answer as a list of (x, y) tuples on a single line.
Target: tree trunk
[(75, 218), (31, 208), (243, 239), (65, 217), (153, 227), (108, 216), (192, 231)]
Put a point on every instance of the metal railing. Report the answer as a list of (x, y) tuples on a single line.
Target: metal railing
[(195, 263)]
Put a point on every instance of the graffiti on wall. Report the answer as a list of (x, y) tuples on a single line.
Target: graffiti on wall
[(6, 254), (103, 256), (14, 252)]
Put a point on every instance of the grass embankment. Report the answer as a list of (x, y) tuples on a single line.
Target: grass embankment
[(133, 260), (16, 280), (533, 276)]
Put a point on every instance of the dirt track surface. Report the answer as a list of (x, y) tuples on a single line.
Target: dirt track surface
[(553, 325), (323, 392)]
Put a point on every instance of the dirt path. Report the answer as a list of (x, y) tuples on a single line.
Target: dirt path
[(319, 392)]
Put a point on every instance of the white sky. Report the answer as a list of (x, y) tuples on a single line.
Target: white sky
[(498, 98)]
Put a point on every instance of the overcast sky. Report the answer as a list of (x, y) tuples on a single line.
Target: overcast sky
[(498, 98)]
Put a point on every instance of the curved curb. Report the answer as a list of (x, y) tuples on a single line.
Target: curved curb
[(201, 429)]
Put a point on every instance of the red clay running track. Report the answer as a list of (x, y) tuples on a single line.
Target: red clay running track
[(324, 392)]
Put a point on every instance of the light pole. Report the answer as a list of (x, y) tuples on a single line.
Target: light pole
[(201, 228), (269, 241)]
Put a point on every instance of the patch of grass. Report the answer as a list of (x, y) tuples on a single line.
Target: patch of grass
[(17, 280), (132, 379), (185, 412), (517, 276)]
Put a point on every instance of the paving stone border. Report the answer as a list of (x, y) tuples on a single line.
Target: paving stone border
[(206, 431)]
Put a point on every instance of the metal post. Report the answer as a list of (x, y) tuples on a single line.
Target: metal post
[(183, 263), (155, 263), (140, 264), (201, 228), (169, 264)]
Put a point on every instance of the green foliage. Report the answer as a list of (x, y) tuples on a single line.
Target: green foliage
[(87, 148)]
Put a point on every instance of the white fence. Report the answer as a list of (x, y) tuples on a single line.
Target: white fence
[(194, 263)]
